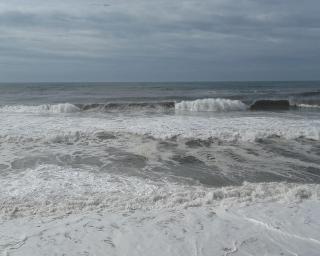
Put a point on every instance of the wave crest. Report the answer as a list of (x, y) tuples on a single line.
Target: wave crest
[(199, 105), (45, 108), (95, 107), (308, 106), (211, 105)]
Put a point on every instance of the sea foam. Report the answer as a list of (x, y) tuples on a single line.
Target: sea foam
[(213, 105), (243, 128), (45, 108), (308, 106), (51, 189)]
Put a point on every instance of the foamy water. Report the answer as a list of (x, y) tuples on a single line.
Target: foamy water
[(98, 171), (212, 105)]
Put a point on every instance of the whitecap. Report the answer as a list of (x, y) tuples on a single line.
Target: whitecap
[(212, 105)]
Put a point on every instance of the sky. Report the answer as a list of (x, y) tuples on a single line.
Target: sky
[(159, 40)]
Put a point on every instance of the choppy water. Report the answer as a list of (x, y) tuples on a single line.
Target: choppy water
[(159, 169), (67, 146)]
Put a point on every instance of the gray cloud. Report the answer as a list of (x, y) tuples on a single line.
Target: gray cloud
[(78, 40)]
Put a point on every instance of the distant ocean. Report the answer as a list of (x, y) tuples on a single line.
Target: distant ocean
[(159, 169)]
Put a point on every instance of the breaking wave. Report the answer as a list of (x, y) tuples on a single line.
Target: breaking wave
[(130, 106), (308, 106), (199, 105), (45, 108), (95, 107), (50, 189), (213, 105), (235, 129)]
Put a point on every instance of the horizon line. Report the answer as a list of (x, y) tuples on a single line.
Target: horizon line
[(173, 81)]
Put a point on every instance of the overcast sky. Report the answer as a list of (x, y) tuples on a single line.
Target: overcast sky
[(159, 40)]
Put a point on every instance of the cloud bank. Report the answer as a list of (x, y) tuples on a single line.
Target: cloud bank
[(148, 40)]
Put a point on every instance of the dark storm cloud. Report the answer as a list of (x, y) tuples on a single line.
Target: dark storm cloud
[(165, 40)]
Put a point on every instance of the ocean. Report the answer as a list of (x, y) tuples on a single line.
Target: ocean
[(159, 169)]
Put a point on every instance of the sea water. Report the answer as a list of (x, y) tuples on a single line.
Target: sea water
[(159, 169)]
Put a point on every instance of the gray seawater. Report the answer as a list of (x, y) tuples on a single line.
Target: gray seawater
[(47, 93), (59, 140), (33, 134)]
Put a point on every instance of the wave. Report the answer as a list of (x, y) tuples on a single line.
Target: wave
[(51, 189), (212, 105), (307, 106), (298, 102), (270, 105), (199, 105), (96, 107), (235, 129), (45, 108), (127, 106)]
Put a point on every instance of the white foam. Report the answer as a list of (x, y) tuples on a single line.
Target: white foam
[(262, 229), (213, 105), (87, 211), (308, 106), (51, 189), (120, 215), (225, 128), (247, 128), (46, 108)]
